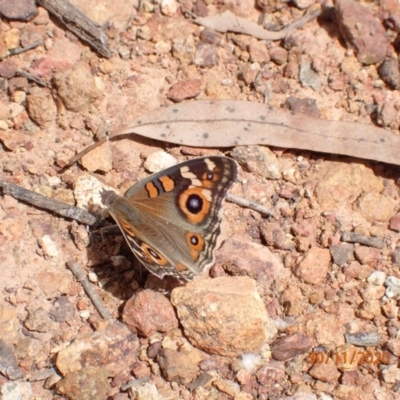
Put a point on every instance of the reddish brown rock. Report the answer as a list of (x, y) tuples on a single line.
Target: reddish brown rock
[(362, 30), (368, 255), (148, 312), (314, 266), (185, 89), (272, 378), (224, 316), (177, 366), (394, 223), (76, 87), (325, 371), (23, 10), (114, 349), (258, 260), (87, 383), (41, 106), (290, 346)]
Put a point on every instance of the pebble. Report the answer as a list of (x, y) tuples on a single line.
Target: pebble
[(21, 10), (377, 278), (389, 72), (185, 89), (177, 366), (148, 312), (76, 87), (392, 287), (362, 30), (308, 77), (48, 246), (203, 305), (159, 160)]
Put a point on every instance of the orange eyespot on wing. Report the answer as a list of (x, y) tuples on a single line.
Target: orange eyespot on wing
[(195, 203), (195, 242)]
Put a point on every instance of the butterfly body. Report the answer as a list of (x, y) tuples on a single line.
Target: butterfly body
[(171, 218)]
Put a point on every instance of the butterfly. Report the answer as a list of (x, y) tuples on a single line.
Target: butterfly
[(171, 219)]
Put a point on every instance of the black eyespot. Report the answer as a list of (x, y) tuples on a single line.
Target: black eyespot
[(194, 203), (210, 176), (154, 254), (194, 240)]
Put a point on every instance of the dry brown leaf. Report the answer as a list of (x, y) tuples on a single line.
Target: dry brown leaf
[(229, 22), (228, 123)]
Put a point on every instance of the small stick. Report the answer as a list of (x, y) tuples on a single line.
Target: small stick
[(78, 23), (351, 237), (20, 50), (94, 297), (249, 204), (30, 77), (47, 203)]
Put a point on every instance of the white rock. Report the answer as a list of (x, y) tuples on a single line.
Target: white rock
[(88, 190), (377, 278), (48, 246), (169, 7), (16, 391), (392, 287), (158, 161)]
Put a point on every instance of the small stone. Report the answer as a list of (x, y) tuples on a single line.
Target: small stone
[(272, 377), (325, 372), (41, 107), (158, 161), (8, 363), (278, 55), (185, 89), (377, 278), (12, 38), (274, 235), (258, 51), (39, 321), (303, 106), (177, 366), (76, 87), (308, 77), (87, 383), (22, 10), (258, 159), (114, 348), (394, 223), (183, 48), (16, 390), (48, 246), (342, 253), (206, 55), (389, 72), (306, 270), (391, 374), (224, 316), (396, 256), (148, 312), (368, 255), (62, 310), (302, 4), (392, 287), (290, 346), (169, 7), (362, 30), (99, 159)]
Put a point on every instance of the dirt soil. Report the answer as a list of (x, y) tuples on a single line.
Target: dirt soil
[(334, 232)]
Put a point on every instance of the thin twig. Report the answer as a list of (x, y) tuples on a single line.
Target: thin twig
[(78, 23), (30, 77), (250, 204), (87, 286), (20, 50), (47, 203)]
